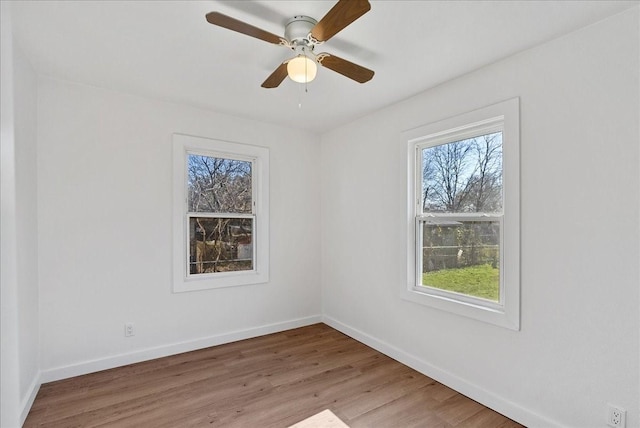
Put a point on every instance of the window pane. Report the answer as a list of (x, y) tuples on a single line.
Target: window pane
[(220, 244), (463, 176), (218, 185), (462, 256)]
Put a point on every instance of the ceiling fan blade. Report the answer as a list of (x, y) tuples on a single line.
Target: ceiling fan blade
[(346, 68), (276, 77), (341, 14), (217, 18)]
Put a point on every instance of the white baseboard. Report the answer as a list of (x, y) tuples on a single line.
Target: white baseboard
[(171, 349), (475, 392), (29, 398), (481, 395)]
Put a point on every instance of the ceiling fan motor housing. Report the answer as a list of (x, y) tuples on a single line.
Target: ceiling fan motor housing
[(297, 30)]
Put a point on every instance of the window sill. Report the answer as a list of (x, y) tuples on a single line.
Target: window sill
[(231, 279), (499, 317)]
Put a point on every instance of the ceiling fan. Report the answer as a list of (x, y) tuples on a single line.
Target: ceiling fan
[(302, 34)]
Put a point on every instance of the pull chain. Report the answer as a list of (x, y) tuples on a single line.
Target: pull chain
[(306, 77), (306, 72)]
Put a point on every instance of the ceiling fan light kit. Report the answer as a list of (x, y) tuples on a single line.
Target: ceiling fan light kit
[(302, 69), (302, 34)]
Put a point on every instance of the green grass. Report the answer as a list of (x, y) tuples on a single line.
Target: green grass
[(479, 281)]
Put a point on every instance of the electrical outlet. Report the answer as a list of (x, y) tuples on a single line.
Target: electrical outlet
[(616, 416), (129, 329)]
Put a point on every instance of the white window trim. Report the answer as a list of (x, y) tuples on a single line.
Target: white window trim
[(506, 313), (259, 156)]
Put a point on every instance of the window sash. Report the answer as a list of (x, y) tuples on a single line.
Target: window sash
[(490, 126), (187, 244), (419, 287), (221, 155)]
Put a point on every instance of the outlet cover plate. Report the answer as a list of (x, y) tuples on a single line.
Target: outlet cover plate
[(616, 416)]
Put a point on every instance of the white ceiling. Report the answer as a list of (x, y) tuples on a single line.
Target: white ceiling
[(167, 50)]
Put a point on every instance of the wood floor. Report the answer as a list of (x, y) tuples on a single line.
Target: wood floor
[(269, 381)]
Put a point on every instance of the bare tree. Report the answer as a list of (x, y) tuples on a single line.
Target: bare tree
[(487, 181), (463, 176), (219, 185), (447, 184)]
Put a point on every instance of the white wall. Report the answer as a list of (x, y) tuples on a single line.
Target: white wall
[(27, 220), (20, 332), (27, 228), (104, 224), (9, 368), (578, 345)]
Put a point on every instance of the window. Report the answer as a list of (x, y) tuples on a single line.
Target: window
[(220, 214), (463, 238)]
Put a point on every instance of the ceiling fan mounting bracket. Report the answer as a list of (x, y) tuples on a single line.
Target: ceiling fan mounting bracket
[(298, 29)]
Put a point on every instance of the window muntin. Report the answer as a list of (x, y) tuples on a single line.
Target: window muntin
[(435, 222)]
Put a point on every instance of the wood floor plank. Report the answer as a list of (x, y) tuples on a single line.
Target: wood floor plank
[(274, 381), (457, 409), (405, 411)]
